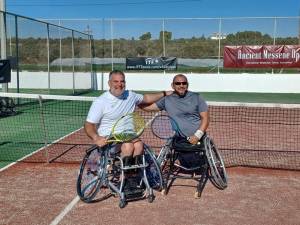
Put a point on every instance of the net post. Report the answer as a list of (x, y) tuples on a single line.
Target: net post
[(43, 125)]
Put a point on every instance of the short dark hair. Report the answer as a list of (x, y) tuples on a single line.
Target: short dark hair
[(114, 72)]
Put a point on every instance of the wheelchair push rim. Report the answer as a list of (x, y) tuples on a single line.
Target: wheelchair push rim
[(153, 170), (216, 164), (91, 174)]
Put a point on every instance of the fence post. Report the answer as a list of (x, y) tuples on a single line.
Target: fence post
[(60, 47), (73, 63), (48, 57), (3, 37), (219, 43), (103, 53), (17, 54), (112, 44), (274, 35), (163, 37)]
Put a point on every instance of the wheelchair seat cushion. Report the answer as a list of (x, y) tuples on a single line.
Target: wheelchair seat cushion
[(191, 159), (181, 144)]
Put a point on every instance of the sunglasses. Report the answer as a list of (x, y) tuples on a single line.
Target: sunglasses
[(179, 83)]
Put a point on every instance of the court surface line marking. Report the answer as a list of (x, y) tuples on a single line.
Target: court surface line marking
[(40, 149), (69, 207), (65, 211)]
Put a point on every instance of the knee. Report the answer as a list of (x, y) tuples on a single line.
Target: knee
[(139, 145), (138, 148), (127, 148)]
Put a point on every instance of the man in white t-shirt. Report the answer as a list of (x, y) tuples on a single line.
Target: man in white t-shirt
[(109, 107)]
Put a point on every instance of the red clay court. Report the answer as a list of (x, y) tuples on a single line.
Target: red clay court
[(38, 193), (35, 192)]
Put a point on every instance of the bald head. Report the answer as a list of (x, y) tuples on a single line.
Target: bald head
[(180, 85), (179, 76)]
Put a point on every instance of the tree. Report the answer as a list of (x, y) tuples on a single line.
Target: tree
[(145, 36), (167, 35)]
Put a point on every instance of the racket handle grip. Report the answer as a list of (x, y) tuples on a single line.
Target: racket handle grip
[(198, 143)]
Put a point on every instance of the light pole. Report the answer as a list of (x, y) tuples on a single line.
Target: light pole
[(299, 28), (88, 30)]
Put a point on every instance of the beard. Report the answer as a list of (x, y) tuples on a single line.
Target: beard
[(181, 95)]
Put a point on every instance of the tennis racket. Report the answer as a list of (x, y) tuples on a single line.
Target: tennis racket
[(164, 127), (127, 128)]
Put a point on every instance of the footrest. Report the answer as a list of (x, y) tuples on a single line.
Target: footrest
[(134, 193), (135, 166)]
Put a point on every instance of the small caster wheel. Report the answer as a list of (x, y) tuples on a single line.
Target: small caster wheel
[(197, 194), (164, 192), (151, 198), (122, 204)]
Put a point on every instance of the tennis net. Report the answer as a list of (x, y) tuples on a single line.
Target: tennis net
[(50, 128)]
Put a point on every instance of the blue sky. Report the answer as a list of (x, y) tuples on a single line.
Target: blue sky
[(152, 8), (98, 9)]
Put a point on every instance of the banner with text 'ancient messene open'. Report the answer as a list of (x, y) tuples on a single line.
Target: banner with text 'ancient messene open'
[(262, 56), (151, 63)]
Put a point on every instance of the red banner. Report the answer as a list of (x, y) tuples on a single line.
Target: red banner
[(261, 56)]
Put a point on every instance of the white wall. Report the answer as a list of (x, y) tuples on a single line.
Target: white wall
[(57, 80), (264, 83)]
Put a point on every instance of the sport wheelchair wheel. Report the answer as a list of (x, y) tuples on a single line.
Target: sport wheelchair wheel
[(153, 171), (91, 174), (218, 175)]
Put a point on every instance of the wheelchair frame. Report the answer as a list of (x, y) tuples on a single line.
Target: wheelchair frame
[(108, 173), (7, 106), (213, 168)]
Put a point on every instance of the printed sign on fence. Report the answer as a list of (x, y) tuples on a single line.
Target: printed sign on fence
[(151, 63), (5, 71), (262, 56)]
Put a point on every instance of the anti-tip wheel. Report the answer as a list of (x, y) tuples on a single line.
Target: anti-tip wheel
[(151, 198), (197, 194), (122, 204)]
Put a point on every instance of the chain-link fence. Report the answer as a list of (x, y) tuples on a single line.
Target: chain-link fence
[(50, 49), (197, 42), (37, 50)]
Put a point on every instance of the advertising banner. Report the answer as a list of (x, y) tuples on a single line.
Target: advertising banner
[(151, 63), (262, 56)]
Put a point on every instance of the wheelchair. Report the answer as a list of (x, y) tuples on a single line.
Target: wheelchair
[(207, 164), (7, 107), (102, 170)]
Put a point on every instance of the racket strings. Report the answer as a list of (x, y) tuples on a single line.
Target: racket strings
[(128, 127), (164, 127)]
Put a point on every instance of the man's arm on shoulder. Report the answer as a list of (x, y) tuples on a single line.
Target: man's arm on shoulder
[(151, 98), (91, 131), (149, 108), (147, 103)]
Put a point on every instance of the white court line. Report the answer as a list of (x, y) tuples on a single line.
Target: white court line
[(40, 149), (13, 163), (65, 211), (76, 199)]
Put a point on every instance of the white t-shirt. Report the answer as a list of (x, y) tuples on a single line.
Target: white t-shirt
[(107, 109)]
